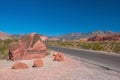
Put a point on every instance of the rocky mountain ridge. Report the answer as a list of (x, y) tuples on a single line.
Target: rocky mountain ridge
[(4, 36), (69, 36), (76, 36)]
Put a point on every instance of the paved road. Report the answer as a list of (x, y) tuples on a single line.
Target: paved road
[(107, 61)]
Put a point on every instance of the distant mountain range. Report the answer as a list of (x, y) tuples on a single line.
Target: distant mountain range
[(101, 33), (18, 35), (76, 36), (4, 36), (70, 36)]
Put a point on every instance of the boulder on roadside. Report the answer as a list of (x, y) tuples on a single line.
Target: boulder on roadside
[(38, 63), (19, 65), (30, 47), (58, 56)]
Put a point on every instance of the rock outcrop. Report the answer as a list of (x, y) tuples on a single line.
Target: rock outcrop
[(30, 47), (105, 38), (58, 56), (38, 63), (19, 65)]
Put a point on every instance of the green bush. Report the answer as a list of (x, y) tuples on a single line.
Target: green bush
[(4, 47)]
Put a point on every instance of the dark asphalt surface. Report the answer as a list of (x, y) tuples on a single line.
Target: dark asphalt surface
[(107, 61)]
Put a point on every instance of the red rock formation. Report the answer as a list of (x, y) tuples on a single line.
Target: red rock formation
[(105, 38), (29, 47), (58, 56), (44, 39), (19, 65), (38, 63)]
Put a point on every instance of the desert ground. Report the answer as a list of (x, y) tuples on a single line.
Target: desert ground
[(69, 69)]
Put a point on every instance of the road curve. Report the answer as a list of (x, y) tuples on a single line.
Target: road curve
[(108, 61)]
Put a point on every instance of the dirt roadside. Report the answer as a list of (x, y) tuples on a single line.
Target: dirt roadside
[(69, 69)]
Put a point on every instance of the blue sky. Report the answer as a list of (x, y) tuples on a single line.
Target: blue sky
[(56, 17)]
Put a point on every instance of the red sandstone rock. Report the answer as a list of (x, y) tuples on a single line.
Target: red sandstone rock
[(58, 56), (105, 38), (38, 63), (19, 65), (30, 47)]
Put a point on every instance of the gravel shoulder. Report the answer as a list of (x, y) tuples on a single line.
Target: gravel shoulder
[(69, 69)]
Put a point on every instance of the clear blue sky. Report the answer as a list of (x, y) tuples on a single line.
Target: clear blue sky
[(55, 17)]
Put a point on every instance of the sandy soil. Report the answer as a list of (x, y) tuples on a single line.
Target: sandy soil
[(69, 69)]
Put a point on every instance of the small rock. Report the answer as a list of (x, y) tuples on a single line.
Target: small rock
[(38, 63), (19, 65), (58, 56)]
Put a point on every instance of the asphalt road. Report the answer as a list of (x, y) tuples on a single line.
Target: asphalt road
[(107, 61)]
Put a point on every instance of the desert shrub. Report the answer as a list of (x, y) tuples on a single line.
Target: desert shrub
[(4, 47), (85, 46), (97, 46), (115, 47), (100, 46)]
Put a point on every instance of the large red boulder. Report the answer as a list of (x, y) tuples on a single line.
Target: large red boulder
[(38, 63), (58, 56), (19, 65), (30, 47)]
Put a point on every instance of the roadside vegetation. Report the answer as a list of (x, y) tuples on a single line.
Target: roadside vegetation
[(110, 46), (4, 47), (99, 46)]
